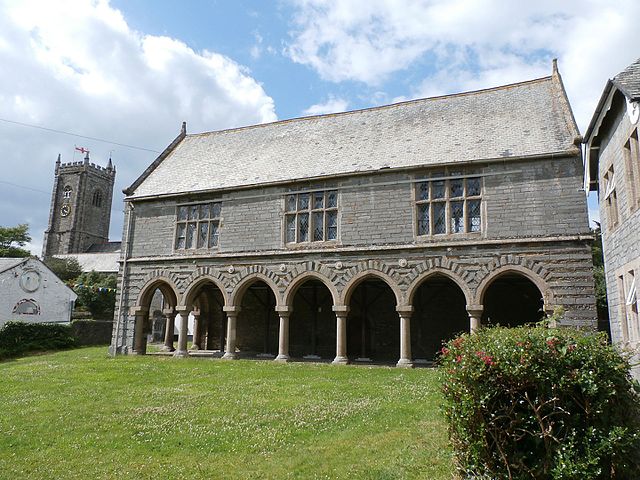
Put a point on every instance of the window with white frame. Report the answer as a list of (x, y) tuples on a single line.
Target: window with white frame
[(631, 304), (622, 315), (198, 226), (311, 216), (611, 197), (448, 205)]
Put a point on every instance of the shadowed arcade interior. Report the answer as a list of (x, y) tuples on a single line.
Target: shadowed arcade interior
[(313, 324), (439, 314), (257, 327), (512, 300)]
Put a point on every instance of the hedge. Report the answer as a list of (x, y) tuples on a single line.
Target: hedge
[(17, 338), (92, 332), (543, 403)]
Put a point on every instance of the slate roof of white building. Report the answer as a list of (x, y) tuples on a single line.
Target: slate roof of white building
[(8, 263), (512, 121), (99, 262), (629, 81)]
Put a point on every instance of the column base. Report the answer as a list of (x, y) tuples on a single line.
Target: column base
[(229, 356), (165, 348), (194, 347), (138, 352), (181, 354), (404, 363), (340, 361), (281, 358)]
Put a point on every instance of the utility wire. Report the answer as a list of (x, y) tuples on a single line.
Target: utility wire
[(26, 188), (77, 135)]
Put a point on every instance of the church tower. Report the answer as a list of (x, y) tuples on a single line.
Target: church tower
[(80, 207)]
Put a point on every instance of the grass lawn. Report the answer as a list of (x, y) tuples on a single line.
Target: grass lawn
[(81, 414)]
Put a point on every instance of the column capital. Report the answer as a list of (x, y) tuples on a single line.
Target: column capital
[(183, 310), (168, 311), (284, 310), (340, 309), (475, 310), (231, 309), (137, 310), (404, 310)]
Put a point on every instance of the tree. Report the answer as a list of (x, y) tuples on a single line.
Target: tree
[(65, 268), (97, 293), (12, 238)]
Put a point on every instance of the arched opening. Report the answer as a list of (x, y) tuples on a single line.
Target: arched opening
[(439, 314), (156, 305), (208, 321), (511, 300), (312, 324), (257, 326), (373, 325)]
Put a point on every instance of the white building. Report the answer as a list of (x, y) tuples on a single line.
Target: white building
[(30, 292)]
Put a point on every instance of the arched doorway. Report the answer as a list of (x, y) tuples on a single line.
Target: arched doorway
[(312, 324), (373, 331), (511, 300), (154, 315), (257, 326), (439, 314), (209, 320)]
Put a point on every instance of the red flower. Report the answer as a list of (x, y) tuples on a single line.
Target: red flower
[(444, 351), (458, 358)]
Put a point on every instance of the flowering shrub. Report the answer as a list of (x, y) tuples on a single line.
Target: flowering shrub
[(543, 403)]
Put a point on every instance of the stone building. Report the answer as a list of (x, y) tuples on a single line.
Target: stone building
[(81, 211), (370, 235), (612, 168), (30, 292)]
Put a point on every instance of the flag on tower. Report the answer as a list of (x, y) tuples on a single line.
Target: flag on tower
[(82, 150)]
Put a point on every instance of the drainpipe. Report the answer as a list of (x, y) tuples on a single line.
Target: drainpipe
[(124, 271)]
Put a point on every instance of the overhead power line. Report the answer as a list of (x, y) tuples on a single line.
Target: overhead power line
[(78, 135), (25, 187)]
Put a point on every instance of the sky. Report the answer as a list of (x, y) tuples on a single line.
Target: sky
[(120, 76)]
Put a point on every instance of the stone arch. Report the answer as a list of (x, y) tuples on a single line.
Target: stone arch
[(291, 290), (424, 276), (538, 280), (167, 287), (195, 282), (239, 290), (351, 285)]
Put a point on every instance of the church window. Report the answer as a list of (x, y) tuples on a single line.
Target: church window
[(632, 165), (66, 192), (611, 197), (448, 203), (27, 307), (198, 226), (311, 217), (96, 200)]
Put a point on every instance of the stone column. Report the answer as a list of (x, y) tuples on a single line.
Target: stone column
[(341, 334), (548, 313), (283, 334), (197, 331), (232, 316), (139, 335), (183, 333), (405, 311), (169, 316), (475, 316)]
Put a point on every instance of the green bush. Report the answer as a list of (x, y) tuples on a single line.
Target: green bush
[(17, 338), (543, 403), (92, 332)]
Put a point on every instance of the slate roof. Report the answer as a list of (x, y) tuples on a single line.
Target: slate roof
[(518, 120), (628, 81), (99, 262), (8, 263), (108, 247)]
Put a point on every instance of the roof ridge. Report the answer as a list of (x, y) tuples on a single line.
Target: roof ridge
[(377, 107)]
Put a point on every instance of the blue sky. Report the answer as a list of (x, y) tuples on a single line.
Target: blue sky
[(130, 71)]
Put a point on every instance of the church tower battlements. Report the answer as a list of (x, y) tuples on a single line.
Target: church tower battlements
[(80, 207)]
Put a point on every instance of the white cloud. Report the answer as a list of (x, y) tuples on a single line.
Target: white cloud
[(77, 66), (469, 44), (332, 105)]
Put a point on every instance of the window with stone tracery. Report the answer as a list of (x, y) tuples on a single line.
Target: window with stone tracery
[(448, 203), (311, 217), (198, 226), (66, 193)]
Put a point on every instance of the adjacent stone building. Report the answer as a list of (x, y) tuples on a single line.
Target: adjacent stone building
[(30, 292), (612, 168), (370, 235)]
